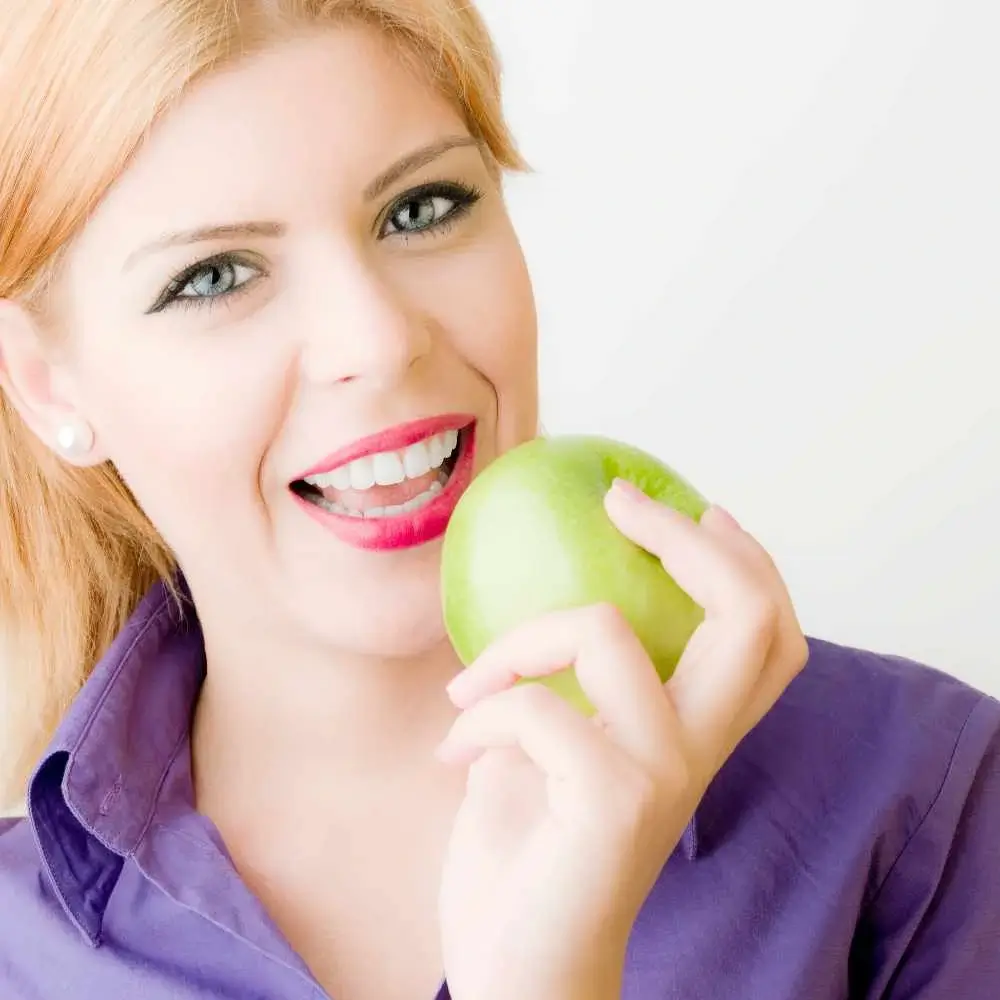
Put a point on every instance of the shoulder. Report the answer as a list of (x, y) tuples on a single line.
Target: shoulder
[(896, 727), (847, 847), (924, 751), (866, 690), (903, 719), (862, 751), (880, 775)]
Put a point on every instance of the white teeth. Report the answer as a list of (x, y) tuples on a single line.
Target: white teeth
[(362, 473), (390, 467), (339, 479), (393, 510), (416, 460)]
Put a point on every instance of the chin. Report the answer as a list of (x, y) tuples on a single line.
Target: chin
[(389, 614)]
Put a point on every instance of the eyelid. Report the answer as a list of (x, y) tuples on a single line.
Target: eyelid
[(182, 277), (185, 274), (464, 193)]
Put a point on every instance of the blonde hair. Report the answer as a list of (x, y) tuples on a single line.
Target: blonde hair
[(83, 81)]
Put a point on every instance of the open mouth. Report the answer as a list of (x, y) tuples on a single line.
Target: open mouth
[(388, 484)]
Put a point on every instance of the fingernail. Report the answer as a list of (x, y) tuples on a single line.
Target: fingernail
[(455, 684), (629, 490), (461, 689)]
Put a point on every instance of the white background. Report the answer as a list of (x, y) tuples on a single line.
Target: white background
[(766, 244)]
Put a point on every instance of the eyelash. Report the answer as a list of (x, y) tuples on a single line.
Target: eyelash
[(463, 197)]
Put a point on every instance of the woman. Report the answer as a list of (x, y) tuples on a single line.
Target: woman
[(247, 247)]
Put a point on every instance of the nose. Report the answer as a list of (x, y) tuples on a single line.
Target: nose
[(360, 324)]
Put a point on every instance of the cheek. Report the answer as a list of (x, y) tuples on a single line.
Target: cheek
[(492, 324), (505, 349), (186, 420)]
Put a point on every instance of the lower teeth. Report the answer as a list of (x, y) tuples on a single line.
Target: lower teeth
[(394, 510)]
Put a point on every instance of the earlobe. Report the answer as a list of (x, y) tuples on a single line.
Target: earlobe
[(29, 380)]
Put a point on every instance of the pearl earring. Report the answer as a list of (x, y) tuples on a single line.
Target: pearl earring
[(75, 438)]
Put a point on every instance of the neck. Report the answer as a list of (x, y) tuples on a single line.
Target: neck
[(292, 725)]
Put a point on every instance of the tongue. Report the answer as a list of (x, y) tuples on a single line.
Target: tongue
[(382, 496)]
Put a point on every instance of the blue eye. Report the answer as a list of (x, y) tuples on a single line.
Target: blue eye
[(216, 279), (208, 281), (429, 208)]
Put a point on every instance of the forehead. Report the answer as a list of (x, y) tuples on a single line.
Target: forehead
[(315, 117)]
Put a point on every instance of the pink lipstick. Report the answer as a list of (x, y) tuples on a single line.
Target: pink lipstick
[(394, 489)]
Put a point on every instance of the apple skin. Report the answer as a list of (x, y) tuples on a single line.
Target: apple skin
[(531, 535)]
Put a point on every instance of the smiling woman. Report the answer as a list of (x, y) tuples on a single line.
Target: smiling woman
[(263, 319), (263, 316), (408, 192)]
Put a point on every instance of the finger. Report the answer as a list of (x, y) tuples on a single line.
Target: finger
[(750, 645), (720, 523), (722, 568), (752, 554), (506, 789), (715, 561), (611, 666), (486, 675), (718, 678), (788, 657), (558, 740), (789, 650), (789, 641), (692, 553)]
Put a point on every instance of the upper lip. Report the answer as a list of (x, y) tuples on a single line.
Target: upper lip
[(391, 439)]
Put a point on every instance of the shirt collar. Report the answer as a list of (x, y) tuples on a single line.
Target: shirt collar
[(93, 793)]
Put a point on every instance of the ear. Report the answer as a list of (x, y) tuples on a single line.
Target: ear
[(39, 387)]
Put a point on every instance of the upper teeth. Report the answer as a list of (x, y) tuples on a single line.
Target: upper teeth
[(387, 468)]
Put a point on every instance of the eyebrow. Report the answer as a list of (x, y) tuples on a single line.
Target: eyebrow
[(414, 161), (401, 168)]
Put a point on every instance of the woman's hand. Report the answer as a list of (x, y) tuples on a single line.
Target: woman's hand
[(568, 821)]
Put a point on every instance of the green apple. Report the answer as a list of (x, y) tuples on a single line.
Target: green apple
[(531, 536)]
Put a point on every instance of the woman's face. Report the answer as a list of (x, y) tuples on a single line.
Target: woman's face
[(271, 283)]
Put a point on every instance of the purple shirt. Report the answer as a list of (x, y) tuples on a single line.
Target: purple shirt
[(848, 849)]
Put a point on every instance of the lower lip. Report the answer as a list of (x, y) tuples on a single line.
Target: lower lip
[(404, 531)]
